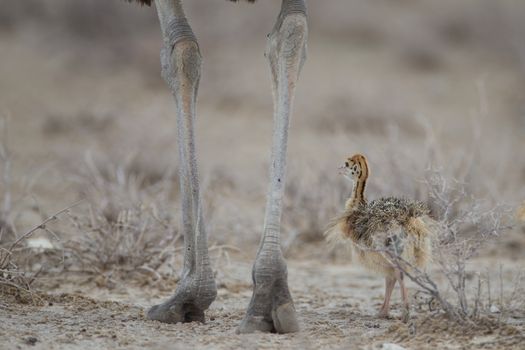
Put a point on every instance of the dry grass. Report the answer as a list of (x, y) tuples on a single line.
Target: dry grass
[(465, 226), (17, 272), (470, 215), (128, 228), (21, 262), (309, 204)]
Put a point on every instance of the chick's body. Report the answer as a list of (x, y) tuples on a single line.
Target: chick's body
[(383, 230), (389, 224)]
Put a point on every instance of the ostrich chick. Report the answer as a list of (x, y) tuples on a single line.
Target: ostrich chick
[(382, 230)]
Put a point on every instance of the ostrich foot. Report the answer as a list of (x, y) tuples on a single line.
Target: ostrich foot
[(271, 309), (187, 305)]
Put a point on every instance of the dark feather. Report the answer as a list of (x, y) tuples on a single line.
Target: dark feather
[(381, 215)]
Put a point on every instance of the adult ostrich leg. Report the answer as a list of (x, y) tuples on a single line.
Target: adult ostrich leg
[(181, 66), (271, 308)]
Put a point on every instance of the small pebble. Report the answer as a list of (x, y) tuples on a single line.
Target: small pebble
[(494, 309), (391, 346), (30, 340)]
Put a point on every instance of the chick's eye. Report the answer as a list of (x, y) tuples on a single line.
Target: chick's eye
[(347, 164)]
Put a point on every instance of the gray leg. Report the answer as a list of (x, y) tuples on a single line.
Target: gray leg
[(271, 308), (181, 64)]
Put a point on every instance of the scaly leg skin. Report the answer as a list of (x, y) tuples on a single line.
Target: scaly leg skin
[(271, 308), (181, 63), (390, 282)]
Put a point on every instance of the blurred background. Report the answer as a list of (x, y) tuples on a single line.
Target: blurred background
[(414, 85)]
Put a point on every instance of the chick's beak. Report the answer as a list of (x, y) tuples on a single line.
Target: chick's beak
[(341, 170)]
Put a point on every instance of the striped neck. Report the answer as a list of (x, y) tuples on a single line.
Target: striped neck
[(358, 195), (358, 191)]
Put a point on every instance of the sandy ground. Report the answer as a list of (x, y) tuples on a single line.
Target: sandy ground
[(336, 306)]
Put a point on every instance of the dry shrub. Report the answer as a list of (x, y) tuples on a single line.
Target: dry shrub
[(127, 230), (471, 216), (17, 258), (15, 281), (310, 202), (468, 209), (18, 261), (466, 224)]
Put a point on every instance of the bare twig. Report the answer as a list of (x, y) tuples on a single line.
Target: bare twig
[(423, 280), (42, 225), (11, 276)]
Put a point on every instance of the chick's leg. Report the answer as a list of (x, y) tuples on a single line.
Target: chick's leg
[(390, 282)]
